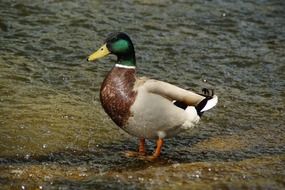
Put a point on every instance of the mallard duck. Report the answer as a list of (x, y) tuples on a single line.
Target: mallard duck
[(143, 107)]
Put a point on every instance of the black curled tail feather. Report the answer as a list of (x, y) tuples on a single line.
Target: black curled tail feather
[(207, 92)]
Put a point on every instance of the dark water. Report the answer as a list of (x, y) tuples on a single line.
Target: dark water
[(55, 135)]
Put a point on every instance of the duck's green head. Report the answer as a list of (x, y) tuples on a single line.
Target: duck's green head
[(118, 44)]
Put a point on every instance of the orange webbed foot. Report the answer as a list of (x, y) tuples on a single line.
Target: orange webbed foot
[(141, 154)]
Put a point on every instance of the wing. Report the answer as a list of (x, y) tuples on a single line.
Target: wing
[(172, 92)]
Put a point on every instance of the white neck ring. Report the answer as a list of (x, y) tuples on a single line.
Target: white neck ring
[(125, 66)]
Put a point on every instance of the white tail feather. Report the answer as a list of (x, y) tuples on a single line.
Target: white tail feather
[(210, 103)]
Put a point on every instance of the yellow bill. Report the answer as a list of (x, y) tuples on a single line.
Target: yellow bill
[(101, 52)]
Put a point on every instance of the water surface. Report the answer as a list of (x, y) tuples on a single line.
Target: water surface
[(55, 135)]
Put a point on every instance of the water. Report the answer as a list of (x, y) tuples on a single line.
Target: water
[(55, 135)]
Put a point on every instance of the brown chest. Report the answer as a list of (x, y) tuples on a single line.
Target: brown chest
[(117, 95)]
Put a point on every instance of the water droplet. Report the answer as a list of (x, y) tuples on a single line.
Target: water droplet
[(22, 187), (224, 14), (45, 145), (47, 178), (27, 156), (176, 165), (204, 80), (197, 174), (83, 175), (40, 187)]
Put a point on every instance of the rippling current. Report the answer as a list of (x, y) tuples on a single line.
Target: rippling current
[(55, 135)]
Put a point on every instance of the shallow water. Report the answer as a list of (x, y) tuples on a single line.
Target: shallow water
[(55, 135)]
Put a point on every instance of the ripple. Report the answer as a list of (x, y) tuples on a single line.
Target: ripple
[(56, 135)]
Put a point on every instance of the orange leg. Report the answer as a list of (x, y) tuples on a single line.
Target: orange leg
[(141, 152), (157, 151), (142, 147)]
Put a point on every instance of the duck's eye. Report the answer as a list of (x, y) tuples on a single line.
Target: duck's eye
[(102, 49)]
